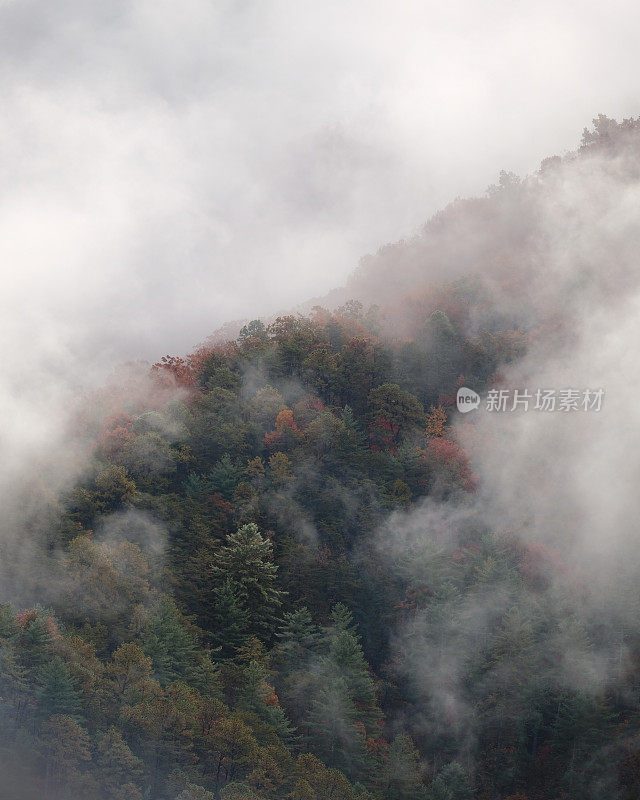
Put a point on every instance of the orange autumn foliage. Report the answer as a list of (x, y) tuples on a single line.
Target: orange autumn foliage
[(285, 430), (176, 371), (436, 422)]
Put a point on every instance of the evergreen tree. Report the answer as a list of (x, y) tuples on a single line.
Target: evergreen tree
[(341, 620), (117, 768), (246, 562), (351, 422), (57, 693), (223, 477), (334, 731), (35, 639), (227, 620), (66, 745), (402, 777), (169, 643), (344, 711), (253, 330), (452, 783), (347, 660), (298, 638), (259, 697)]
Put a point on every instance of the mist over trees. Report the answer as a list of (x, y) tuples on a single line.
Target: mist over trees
[(287, 569)]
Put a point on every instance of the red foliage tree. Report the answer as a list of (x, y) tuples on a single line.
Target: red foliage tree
[(115, 434), (451, 455), (383, 435), (176, 370)]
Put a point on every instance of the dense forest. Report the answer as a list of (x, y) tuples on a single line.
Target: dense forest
[(238, 596)]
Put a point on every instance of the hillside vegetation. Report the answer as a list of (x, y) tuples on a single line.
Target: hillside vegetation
[(236, 599)]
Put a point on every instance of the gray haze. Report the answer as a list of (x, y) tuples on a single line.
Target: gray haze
[(169, 166), (568, 481)]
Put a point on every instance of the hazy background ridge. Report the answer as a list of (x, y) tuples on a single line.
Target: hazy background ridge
[(167, 167)]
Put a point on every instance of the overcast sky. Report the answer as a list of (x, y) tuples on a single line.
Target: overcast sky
[(168, 166)]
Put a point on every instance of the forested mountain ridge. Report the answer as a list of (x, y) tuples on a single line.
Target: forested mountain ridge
[(502, 237), (239, 599)]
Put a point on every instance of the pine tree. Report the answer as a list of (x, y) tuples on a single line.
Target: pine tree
[(57, 694), (341, 620), (35, 638), (223, 477), (402, 778), (227, 621), (335, 734), (116, 767), (298, 638), (344, 711), (169, 643), (65, 745), (246, 562), (452, 783), (352, 423), (259, 697), (347, 660)]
